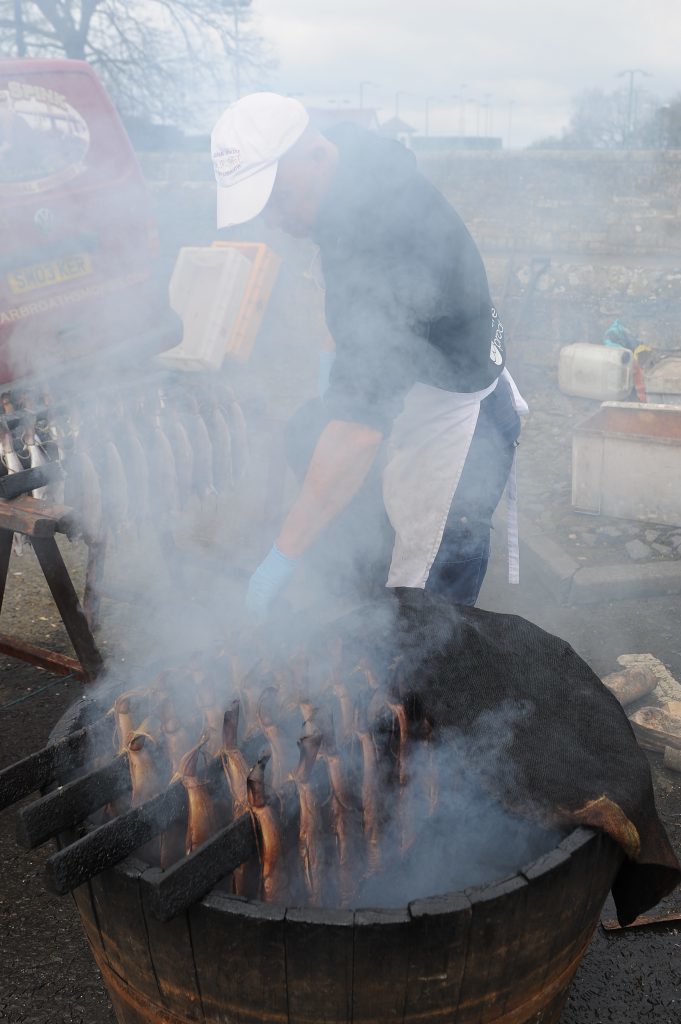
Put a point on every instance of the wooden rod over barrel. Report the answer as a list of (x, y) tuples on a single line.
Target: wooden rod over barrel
[(43, 766), (68, 805), (112, 842), (172, 891)]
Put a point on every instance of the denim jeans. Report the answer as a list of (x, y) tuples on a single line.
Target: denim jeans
[(461, 562)]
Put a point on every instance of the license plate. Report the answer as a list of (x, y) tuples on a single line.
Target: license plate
[(43, 275)]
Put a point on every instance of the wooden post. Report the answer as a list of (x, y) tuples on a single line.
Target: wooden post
[(66, 600)]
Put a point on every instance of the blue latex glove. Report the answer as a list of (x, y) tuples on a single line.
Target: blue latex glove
[(326, 360), (268, 580)]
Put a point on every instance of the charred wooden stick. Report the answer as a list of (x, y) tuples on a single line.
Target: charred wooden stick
[(43, 766), (112, 842), (69, 804), (174, 890), (15, 484), (230, 725)]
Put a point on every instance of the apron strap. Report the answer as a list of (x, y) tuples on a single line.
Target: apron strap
[(522, 408), (512, 522)]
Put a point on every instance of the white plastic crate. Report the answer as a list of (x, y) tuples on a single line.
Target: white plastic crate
[(626, 462), (207, 291)]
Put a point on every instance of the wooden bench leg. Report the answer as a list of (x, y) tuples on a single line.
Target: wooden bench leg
[(67, 602), (5, 552), (94, 575)]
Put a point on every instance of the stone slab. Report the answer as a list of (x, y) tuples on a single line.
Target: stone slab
[(593, 585), (570, 583), (546, 560)]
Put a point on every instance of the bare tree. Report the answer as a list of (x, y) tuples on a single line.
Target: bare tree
[(155, 57), (603, 120), (664, 129)]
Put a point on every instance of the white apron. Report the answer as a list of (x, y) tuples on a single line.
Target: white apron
[(426, 451)]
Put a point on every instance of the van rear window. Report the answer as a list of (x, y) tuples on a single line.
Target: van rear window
[(54, 128)]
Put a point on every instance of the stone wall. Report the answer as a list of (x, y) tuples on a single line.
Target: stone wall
[(571, 241), (574, 240)]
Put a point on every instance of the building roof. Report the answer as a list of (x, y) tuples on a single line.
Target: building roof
[(396, 126), (325, 117)]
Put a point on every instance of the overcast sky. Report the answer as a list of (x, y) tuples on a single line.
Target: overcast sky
[(517, 64)]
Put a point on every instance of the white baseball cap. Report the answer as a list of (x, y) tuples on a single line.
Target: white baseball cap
[(246, 144)]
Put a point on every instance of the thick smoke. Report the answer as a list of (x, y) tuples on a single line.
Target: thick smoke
[(470, 839), (398, 809), (150, 456)]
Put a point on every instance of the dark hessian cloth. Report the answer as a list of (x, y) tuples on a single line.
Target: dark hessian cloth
[(571, 752), (407, 297)]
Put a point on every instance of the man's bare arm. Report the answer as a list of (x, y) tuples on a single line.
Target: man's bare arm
[(339, 466)]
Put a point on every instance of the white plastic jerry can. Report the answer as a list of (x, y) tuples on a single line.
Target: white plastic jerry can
[(206, 290), (604, 372)]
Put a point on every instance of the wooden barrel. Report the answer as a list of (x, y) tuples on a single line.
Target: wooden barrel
[(502, 953)]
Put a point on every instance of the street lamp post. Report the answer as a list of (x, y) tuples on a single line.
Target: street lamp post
[(478, 109), (663, 126), (462, 110), (632, 72), (362, 86), (397, 102), (429, 100), (487, 124)]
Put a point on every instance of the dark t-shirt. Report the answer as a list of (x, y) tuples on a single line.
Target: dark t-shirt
[(407, 297)]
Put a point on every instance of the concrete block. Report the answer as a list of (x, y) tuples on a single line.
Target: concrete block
[(597, 584), (547, 561)]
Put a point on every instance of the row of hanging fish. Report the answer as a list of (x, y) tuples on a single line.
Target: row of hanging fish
[(236, 741), (130, 454), (24, 443)]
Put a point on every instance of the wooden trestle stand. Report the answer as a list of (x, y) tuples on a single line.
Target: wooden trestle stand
[(40, 521)]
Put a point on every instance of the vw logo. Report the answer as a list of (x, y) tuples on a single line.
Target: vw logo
[(44, 219)]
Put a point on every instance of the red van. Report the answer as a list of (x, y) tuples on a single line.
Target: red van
[(79, 246)]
